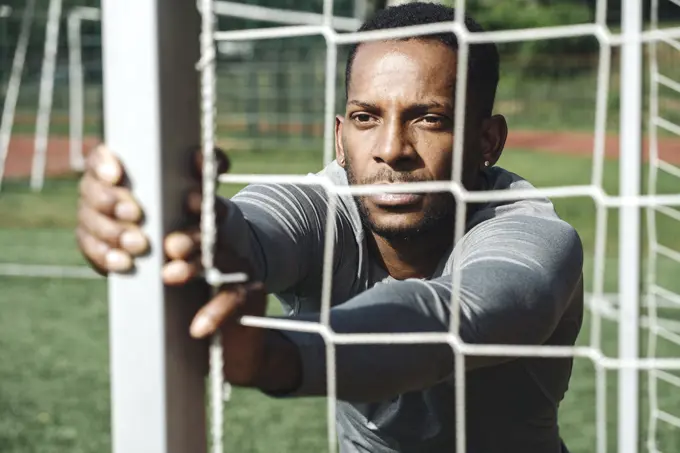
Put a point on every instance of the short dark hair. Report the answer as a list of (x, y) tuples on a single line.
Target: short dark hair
[(483, 60)]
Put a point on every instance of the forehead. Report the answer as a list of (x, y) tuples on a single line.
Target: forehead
[(409, 68)]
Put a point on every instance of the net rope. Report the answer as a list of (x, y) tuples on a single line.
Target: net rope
[(656, 293), (208, 219), (653, 202)]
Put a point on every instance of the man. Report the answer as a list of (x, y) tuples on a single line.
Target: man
[(521, 266)]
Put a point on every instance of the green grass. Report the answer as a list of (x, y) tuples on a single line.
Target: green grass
[(54, 395)]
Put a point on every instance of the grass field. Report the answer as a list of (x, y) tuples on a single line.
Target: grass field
[(54, 395)]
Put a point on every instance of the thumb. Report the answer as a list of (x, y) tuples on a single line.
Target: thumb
[(230, 303), (104, 165)]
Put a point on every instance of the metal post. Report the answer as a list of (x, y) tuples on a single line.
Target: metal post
[(14, 85), (152, 118), (76, 83), (629, 223), (42, 124), (76, 94)]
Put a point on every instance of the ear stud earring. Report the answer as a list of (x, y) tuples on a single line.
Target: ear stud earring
[(486, 163)]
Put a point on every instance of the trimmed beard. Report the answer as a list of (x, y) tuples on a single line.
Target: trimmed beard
[(438, 218)]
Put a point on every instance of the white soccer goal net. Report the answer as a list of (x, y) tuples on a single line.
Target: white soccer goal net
[(628, 202), (631, 340)]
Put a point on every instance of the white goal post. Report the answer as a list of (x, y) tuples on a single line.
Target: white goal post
[(152, 118), (630, 172)]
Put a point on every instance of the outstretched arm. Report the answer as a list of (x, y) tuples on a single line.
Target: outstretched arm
[(518, 275), (280, 229)]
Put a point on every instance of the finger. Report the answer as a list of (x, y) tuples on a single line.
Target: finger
[(102, 257), (112, 201), (220, 309), (99, 225), (103, 164), (133, 241), (180, 245), (180, 272), (93, 249), (99, 196), (109, 200), (222, 162), (115, 234), (127, 209)]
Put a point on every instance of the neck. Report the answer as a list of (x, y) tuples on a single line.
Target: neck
[(415, 257)]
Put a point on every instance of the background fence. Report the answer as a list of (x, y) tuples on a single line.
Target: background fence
[(271, 92)]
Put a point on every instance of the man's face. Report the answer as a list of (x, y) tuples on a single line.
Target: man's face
[(398, 127)]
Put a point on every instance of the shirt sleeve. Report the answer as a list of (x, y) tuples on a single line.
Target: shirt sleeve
[(518, 275), (280, 229)]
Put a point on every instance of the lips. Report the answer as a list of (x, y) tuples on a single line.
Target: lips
[(395, 199)]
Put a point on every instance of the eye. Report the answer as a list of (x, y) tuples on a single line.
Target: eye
[(434, 121), (362, 117), (364, 120)]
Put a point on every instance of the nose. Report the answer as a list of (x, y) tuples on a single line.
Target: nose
[(395, 147)]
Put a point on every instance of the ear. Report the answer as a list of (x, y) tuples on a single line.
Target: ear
[(494, 135), (339, 148)]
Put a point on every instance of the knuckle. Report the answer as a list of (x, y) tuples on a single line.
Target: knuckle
[(90, 246), (96, 195), (100, 226), (92, 158), (110, 232), (239, 295), (102, 200)]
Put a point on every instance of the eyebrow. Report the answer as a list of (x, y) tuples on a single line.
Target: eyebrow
[(419, 106), (365, 105)]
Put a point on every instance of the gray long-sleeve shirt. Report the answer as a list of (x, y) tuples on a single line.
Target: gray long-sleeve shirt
[(521, 283)]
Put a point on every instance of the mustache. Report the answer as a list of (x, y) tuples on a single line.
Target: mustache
[(392, 177)]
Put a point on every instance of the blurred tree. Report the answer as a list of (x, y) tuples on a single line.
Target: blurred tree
[(532, 56), (541, 57)]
